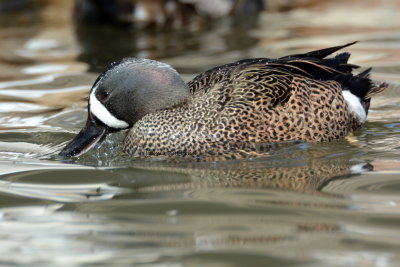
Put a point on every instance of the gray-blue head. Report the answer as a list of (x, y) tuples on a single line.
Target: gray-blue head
[(125, 92)]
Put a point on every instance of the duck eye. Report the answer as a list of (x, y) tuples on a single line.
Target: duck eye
[(103, 95)]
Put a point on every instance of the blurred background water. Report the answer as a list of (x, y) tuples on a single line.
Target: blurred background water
[(333, 204)]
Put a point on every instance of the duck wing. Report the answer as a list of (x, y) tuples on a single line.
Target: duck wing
[(312, 65)]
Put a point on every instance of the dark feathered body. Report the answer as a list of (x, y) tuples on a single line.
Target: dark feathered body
[(237, 106)]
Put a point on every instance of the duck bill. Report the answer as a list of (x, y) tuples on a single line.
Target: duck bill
[(93, 133)]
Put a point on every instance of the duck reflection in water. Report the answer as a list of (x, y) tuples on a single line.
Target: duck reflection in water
[(292, 167)]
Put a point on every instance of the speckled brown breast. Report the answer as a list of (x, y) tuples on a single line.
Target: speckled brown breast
[(234, 108)]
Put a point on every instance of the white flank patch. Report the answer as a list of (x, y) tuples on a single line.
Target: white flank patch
[(100, 111), (358, 168), (355, 106)]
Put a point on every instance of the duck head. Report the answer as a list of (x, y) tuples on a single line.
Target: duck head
[(125, 92)]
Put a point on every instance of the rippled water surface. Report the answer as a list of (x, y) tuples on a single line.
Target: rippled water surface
[(335, 204)]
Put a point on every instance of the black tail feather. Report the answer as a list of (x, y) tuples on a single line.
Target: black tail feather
[(321, 53), (359, 85), (316, 65), (365, 73), (343, 57)]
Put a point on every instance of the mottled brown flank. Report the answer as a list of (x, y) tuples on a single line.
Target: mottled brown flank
[(236, 107)]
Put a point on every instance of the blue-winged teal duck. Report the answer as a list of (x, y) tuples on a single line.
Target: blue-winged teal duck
[(232, 107)]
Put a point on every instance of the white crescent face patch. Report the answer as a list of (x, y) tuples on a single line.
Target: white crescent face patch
[(101, 113)]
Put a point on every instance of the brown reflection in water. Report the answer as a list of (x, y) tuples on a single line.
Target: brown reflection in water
[(175, 13), (161, 13), (303, 172), (103, 45), (309, 178), (234, 184), (214, 199)]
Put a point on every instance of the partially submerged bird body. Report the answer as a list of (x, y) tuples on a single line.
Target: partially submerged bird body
[(232, 108)]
